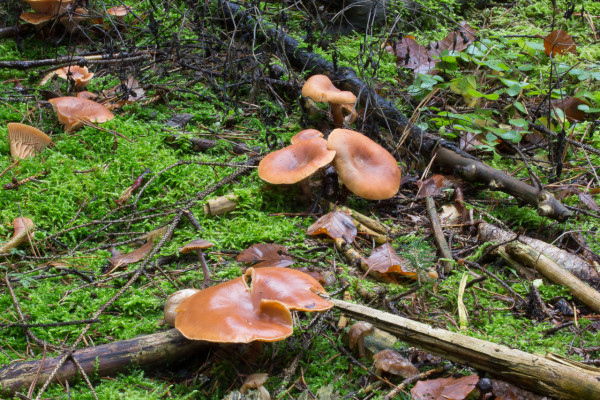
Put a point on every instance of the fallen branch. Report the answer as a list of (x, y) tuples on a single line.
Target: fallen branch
[(74, 60), (551, 270), (144, 351), (550, 376), (445, 154)]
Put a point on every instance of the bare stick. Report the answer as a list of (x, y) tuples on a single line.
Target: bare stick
[(548, 376), (438, 234), (551, 270)]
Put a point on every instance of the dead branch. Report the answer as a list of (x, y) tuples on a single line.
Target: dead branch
[(549, 375), (445, 154), (105, 359), (75, 60), (551, 270), (570, 262)]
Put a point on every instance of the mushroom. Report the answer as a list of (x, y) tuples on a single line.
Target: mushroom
[(72, 111), (173, 301), (306, 134), (50, 7), (119, 12), (73, 19), (357, 335), (392, 362), (25, 141), (366, 168), (256, 381), (38, 20), (295, 163), (23, 228), (255, 306), (320, 89), (80, 75), (198, 245)]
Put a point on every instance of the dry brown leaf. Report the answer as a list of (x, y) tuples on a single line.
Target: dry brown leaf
[(335, 224), (507, 391), (457, 40), (385, 260), (266, 255), (469, 140), (391, 362), (569, 106), (445, 388), (121, 260), (430, 187), (559, 42), (589, 201)]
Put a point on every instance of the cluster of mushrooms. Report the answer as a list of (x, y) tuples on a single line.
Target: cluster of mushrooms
[(66, 11), (364, 167)]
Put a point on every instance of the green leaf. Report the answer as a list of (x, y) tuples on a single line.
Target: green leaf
[(519, 106)]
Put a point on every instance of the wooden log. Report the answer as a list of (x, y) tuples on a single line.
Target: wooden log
[(562, 378), (532, 258), (105, 359)]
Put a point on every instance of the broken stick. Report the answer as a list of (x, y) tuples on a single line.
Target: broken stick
[(561, 379)]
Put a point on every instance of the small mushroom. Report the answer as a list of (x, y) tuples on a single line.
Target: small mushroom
[(320, 89), (50, 7), (38, 20), (80, 75), (119, 12), (73, 111), (392, 362), (25, 141), (23, 228), (295, 163), (198, 245), (256, 381), (173, 301), (357, 335), (366, 168)]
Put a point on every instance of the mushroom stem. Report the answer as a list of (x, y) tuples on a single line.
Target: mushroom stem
[(204, 268), (338, 115), (23, 228)]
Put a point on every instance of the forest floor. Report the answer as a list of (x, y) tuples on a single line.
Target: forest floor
[(183, 76)]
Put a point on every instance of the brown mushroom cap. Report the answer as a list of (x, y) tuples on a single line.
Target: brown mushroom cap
[(305, 135), (72, 111), (173, 301), (51, 7), (366, 168), (118, 11), (392, 362), (321, 89), (25, 141), (197, 244), (35, 18), (80, 75), (296, 162), (255, 306)]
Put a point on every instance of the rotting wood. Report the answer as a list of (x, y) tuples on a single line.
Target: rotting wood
[(106, 359), (445, 154), (551, 270), (221, 205), (564, 380), (571, 262)]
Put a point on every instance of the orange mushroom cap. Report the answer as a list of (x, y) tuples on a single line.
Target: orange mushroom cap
[(80, 75), (50, 7), (321, 89), (366, 168), (118, 11), (296, 162), (255, 306), (72, 111), (305, 135), (25, 141), (35, 18)]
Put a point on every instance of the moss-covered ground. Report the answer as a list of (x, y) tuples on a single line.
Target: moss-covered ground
[(196, 68)]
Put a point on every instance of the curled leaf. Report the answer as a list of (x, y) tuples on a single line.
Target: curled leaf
[(385, 260), (266, 255), (336, 225), (445, 388), (559, 42)]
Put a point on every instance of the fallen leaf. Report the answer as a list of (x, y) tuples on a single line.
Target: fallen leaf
[(589, 201), (121, 260), (335, 224), (445, 388), (559, 42), (385, 260), (266, 255), (507, 391), (457, 40), (569, 105), (469, 140), (430, 187)]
